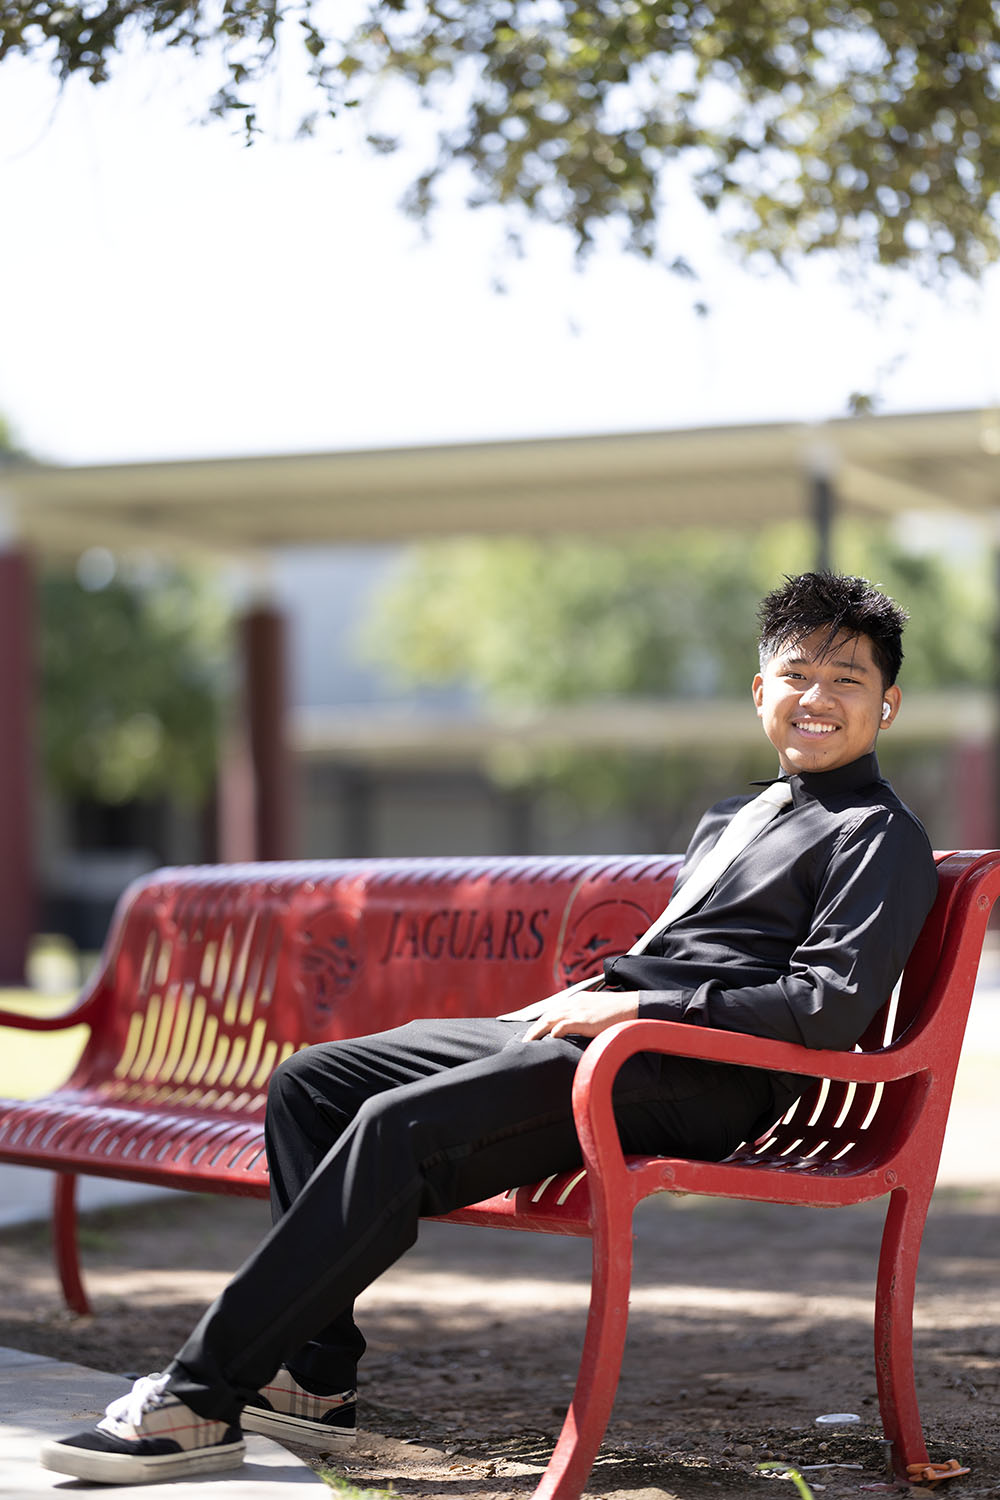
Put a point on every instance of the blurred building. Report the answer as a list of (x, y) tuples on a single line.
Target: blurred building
[(365, 769), (380, 771)]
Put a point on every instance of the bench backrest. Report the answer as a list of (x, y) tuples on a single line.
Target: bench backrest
[(212, 975), (841, 1128)]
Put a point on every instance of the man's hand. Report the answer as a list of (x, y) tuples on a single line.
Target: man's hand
[(583, 1014)]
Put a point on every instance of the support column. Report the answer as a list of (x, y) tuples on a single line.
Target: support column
[(516, 821), (972, 771), (994, 820), (265, 678), (235, 821), (18, 894), (823, 509), (353, 788), (821, 462)]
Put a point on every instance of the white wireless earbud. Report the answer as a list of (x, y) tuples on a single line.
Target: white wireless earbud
[(886, 710)]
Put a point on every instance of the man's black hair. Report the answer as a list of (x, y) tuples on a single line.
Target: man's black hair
[(838, 604)]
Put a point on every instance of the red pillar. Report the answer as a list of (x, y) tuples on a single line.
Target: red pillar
[(265, 676), (973, 771), (235, 816), (17, 802)]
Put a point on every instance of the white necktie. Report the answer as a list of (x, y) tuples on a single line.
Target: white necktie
[(737, 834)]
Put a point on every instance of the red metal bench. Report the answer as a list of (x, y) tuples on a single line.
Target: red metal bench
[(212, 975)]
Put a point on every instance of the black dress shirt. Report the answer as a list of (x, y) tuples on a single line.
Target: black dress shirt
[(805, 934)]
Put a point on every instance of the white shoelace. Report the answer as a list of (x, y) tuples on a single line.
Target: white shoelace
[(128, 1410)]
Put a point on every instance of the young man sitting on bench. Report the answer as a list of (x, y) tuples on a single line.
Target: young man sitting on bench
[(792, 918)]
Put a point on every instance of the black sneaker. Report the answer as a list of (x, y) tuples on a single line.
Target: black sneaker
[(145, 1436), (284, 1409)]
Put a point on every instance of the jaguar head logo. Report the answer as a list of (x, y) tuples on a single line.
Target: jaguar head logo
[(601, 931), (331, 960)]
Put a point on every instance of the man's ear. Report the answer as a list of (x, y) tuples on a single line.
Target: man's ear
[(757, 688), (892, 696)]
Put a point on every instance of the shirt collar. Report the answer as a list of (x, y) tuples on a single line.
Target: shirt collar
[(849, 778)]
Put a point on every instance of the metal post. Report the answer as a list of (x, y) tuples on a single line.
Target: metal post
[(235, 797), (823, 506), (993, 816), (821, 460), (267, 726), (17, 803)]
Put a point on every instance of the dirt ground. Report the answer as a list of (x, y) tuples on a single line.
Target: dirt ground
[(748, 1321)]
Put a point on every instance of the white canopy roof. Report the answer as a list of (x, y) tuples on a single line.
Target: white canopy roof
[(707, 476)]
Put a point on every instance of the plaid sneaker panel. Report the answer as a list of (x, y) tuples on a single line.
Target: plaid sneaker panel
[(283, 1408), (166, 1419), (144, 1436)]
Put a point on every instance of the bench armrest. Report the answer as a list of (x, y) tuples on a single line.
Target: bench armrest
[(606, 1053), (714, 1045), (82, 1013)]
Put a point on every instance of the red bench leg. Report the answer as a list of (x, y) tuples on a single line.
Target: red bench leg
[(897, 1276), (600, 1364), (65, 1243)]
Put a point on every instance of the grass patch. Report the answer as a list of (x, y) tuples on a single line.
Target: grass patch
[(786, 1471), (349, 1491), (90, 1237), (33, 1062)]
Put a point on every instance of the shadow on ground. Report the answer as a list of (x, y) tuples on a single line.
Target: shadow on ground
[(748, 1321)]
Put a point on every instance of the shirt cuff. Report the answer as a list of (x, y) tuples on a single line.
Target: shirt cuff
[(667, 1005)]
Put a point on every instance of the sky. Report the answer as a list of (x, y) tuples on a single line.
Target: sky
[(170, 293)]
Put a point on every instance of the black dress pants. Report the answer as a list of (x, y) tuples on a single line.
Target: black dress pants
[(365, 1136)]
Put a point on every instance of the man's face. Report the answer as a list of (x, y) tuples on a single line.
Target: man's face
[(821, 707)]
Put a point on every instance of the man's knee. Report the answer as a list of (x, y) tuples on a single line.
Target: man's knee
[(285, 1077), (296, 1081)]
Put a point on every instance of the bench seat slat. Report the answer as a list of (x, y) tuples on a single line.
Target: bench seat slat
[(190, 1150)]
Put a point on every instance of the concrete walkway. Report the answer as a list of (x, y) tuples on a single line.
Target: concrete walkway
[(43, 1398), (26, 1194)]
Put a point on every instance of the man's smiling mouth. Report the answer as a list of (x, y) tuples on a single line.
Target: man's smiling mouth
[(806, 726)]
